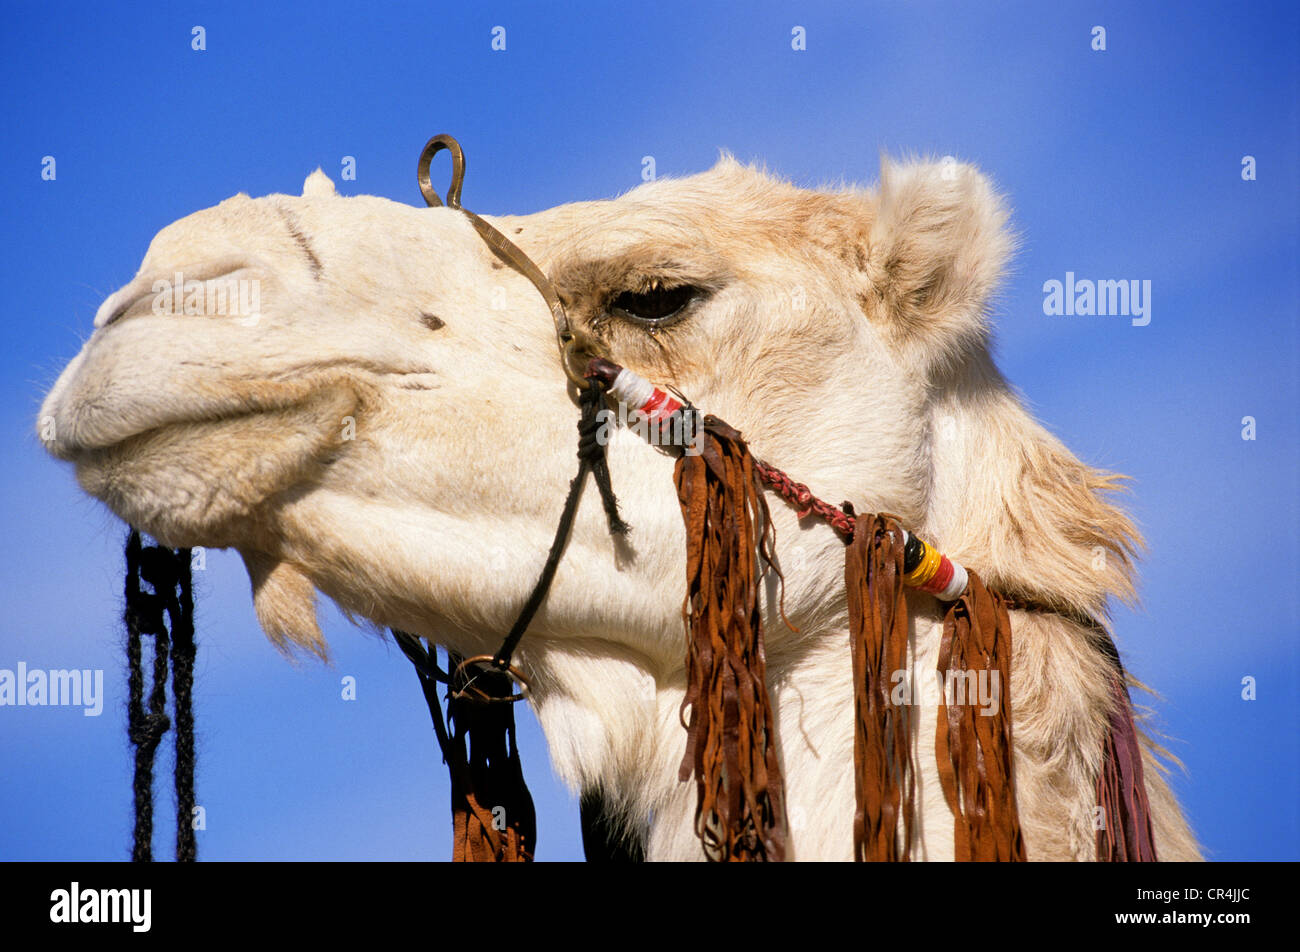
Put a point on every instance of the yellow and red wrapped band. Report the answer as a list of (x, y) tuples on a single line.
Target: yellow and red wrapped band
[(935, 573)]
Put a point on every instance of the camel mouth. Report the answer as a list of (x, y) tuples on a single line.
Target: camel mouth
[(91, 451), (79, 420), (86, 426), (198, 479)]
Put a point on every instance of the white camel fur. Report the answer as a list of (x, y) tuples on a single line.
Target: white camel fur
[(393, 429)]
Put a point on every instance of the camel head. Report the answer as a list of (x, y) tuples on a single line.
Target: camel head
[(363, 400)]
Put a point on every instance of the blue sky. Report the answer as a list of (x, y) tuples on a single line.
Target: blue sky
[(1119, 164)]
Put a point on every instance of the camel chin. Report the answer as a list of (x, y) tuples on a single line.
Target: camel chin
[(199, 482)]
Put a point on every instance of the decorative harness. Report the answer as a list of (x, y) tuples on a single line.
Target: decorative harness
[(731, 741)]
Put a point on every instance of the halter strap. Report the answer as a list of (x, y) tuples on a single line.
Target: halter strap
[(591, 454), (502, 247)]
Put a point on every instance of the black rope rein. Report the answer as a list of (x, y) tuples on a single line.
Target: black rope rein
[(591, 459), (167, 572), (474, 696)]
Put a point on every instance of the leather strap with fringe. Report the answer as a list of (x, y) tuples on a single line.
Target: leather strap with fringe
[(974, 749), (1125, 835), (731, 742), (885, 775), (493, 818)]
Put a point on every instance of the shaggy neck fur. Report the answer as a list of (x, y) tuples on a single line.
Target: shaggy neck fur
[(1004, 498)]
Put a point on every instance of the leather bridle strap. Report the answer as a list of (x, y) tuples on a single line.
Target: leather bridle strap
[(591, 456), (502, 247), (591, 453)]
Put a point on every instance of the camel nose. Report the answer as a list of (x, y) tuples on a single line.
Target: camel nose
[(219, 286)]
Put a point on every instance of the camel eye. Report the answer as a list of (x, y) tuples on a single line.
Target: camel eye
[(658, 305)]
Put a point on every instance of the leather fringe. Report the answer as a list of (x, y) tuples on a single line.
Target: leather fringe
[(493, 818), (974, 749), (731, 742), (885, 774), (1126, 836)]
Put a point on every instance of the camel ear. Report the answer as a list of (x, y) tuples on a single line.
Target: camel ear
[(318, 185), (936, 249), (285, 600)]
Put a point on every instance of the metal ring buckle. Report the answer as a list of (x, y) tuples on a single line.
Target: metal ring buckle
[(478, 694), (566, 361)]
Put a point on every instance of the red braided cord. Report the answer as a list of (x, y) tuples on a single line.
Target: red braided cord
[(800, 496)]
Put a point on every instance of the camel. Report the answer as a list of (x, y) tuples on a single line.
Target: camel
[(392, 428)]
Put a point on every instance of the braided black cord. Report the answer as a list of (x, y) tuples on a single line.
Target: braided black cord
[(165, 571), (182, 701), (592, 452), (426, 668), (591, 457), (143, 616)]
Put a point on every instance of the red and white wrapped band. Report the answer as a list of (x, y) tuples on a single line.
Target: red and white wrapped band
[(640, 394)]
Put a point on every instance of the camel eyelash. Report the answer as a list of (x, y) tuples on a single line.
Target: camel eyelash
[(656, 303)]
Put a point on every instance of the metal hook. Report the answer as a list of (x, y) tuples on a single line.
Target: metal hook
[(432, 148), (501, 246)]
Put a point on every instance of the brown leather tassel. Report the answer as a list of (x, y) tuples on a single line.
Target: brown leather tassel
[(882, 748), (974, 750), (493, 819), (1127, 836), (731, 743)]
